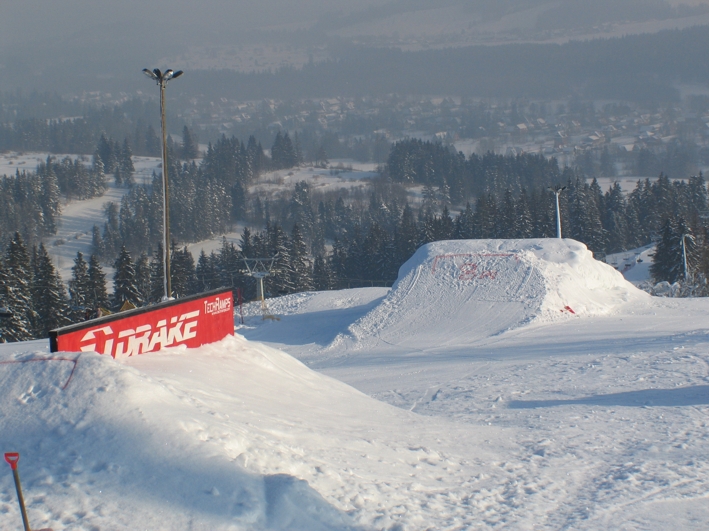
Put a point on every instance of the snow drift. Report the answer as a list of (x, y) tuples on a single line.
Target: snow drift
[(462, 291), (229, 436), (108, 446)]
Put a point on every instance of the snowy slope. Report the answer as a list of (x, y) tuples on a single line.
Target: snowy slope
[(229, 436), (589, 421)]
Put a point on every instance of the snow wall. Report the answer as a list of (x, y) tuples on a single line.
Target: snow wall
[(461, 291)]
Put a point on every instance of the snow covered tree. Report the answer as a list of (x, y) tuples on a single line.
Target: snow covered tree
[(338, 264), (300, 269), (79, 287), (464, 225), (111, 231), (124, 166), (406, 236), (283, 152), (524, 225), (124, 281), (157, 275), (50, 302), (190, 148), (322, 274), (16, 292), (142, 278), (300, 210), (207, 272), (182, 272), (97, 294), (279, 246), (668, 260)]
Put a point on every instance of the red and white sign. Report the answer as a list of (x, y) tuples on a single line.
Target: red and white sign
[(193, 321)]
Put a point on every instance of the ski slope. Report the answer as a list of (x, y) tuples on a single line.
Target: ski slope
[(525, 417)]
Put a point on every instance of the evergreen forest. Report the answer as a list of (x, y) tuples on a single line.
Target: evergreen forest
[(320, 240)]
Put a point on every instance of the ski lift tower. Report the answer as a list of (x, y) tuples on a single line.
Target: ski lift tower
[(260, 268)]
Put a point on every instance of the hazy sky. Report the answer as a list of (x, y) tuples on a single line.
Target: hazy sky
[(26, 20)]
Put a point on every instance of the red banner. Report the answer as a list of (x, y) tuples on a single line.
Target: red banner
[(192, 321)]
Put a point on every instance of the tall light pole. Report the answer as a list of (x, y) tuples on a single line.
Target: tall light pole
[(557, 190), (684, 255), (161, 78)]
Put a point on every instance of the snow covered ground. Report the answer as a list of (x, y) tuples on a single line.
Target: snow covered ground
[(538, 418)]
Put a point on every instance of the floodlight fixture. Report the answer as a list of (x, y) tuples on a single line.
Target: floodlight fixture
[(556, 190), (161, 79)]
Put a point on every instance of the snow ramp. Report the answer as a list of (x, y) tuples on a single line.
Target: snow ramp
[(459, 292)]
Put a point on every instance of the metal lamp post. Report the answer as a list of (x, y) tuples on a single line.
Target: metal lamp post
[(684, 255), (556, 191), (161, 78)]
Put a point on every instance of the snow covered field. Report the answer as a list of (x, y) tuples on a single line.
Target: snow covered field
[(500, 384)]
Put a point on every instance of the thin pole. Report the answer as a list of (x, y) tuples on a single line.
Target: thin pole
[(165, 196), (556, 191), (558, 215), (684, 255)]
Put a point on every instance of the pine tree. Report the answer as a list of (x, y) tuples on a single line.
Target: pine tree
[(277, 155), (152, 143), (300, 268), (125, 166), (142, 279), (676, 241), (97, 294), (524, 226), (79, 287), (615, 220), (464, 226), (245, 243), (190, 149), (300, 209), (111, 230), (406, 236), (98, 184), (16, 292), (107, 154), (97, 246), (322, 274), (49, 295), (124, 281), (279, 246), (506, 227), (207, 272), (377, 254), (182, 271), (157, 275), (338, 264)]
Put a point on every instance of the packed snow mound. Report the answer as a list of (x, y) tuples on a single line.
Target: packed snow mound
[(460, 291), (107, 445), (229, 436)]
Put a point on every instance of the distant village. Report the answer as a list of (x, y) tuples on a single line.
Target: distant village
[(577, 133)]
